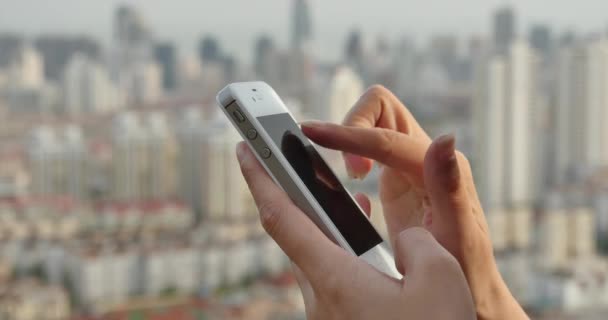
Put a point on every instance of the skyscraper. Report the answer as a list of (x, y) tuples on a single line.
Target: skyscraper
[(541, 39), (164, 54), (87, 88), (582, 107), (129, 157), (190, 135), (27, 68), (265, 61), (520, 113), (210, 50), (57, 162), (300, 62), (489, 113), (504, 29), (58, 50), (223, 195), (302, 26), (505, 102), (10, 44), (345, 88), (132, 35), (161, 149)]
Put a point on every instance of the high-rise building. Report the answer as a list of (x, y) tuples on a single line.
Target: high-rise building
[(345, 88), (504, 29), (57, 162), (520, 115), (43, 157), (166, 58), (224, 195), (406, 71), (541, 39), (265, 61), (505, 103), (129, 157), (582, 106), (87, 88), (10, 44), (27, 68), (58, 50), (161, 148), (302, 26), (132, 36), (143, 158), (489, 115), (300, 61), (210, 50), (143, 82), (190, 135)]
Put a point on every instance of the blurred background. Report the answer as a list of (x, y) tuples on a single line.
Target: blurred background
[(120, 196)]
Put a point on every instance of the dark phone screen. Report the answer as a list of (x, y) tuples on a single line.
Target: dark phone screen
[(322, 182)]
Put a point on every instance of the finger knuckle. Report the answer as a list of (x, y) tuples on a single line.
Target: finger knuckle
[(388, 139), (270, 216), (441, 262)]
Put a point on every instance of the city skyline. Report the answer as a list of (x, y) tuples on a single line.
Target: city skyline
[(185, 26)]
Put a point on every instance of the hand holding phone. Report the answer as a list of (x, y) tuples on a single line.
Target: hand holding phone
[(292, 161), (337, 285)]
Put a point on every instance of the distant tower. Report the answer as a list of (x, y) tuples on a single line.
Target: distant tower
[(166, 57), (300, 63), (190, 137), (505, 103), (27, 69), (582, 107), (87, 87), (265, 60), (302, 26), (57, 162), (43, 157), (344, 90), (129, 157), (504, 29), (161, 149), (131, 35)]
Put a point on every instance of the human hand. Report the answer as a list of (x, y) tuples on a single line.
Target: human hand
[(338, 285), (422, 183)]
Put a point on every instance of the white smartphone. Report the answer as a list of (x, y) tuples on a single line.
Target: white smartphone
[(262, 119)]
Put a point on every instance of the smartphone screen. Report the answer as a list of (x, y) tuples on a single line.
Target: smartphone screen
[(322, 182)]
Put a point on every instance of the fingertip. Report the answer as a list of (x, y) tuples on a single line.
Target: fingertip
[(241, 150), (364, 203), (357, 167), (441, 165)]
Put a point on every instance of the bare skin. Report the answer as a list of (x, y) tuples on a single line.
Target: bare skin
[(338, 285), (423, 183)]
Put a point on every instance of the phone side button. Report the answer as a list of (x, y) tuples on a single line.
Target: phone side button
[(238, 116), (252, 134), (266, 153)]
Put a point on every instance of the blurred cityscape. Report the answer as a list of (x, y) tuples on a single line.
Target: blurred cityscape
[(121, 198)]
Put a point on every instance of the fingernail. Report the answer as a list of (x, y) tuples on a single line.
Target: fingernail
[(356, 167), (313, 124), (446, 144), (447, 161), (240, 150)]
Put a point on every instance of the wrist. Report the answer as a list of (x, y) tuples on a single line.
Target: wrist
[(494, 301)]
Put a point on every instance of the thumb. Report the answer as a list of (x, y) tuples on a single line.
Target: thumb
[(445, 187)]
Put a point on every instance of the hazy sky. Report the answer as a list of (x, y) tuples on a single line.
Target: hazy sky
[(237, 22)]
